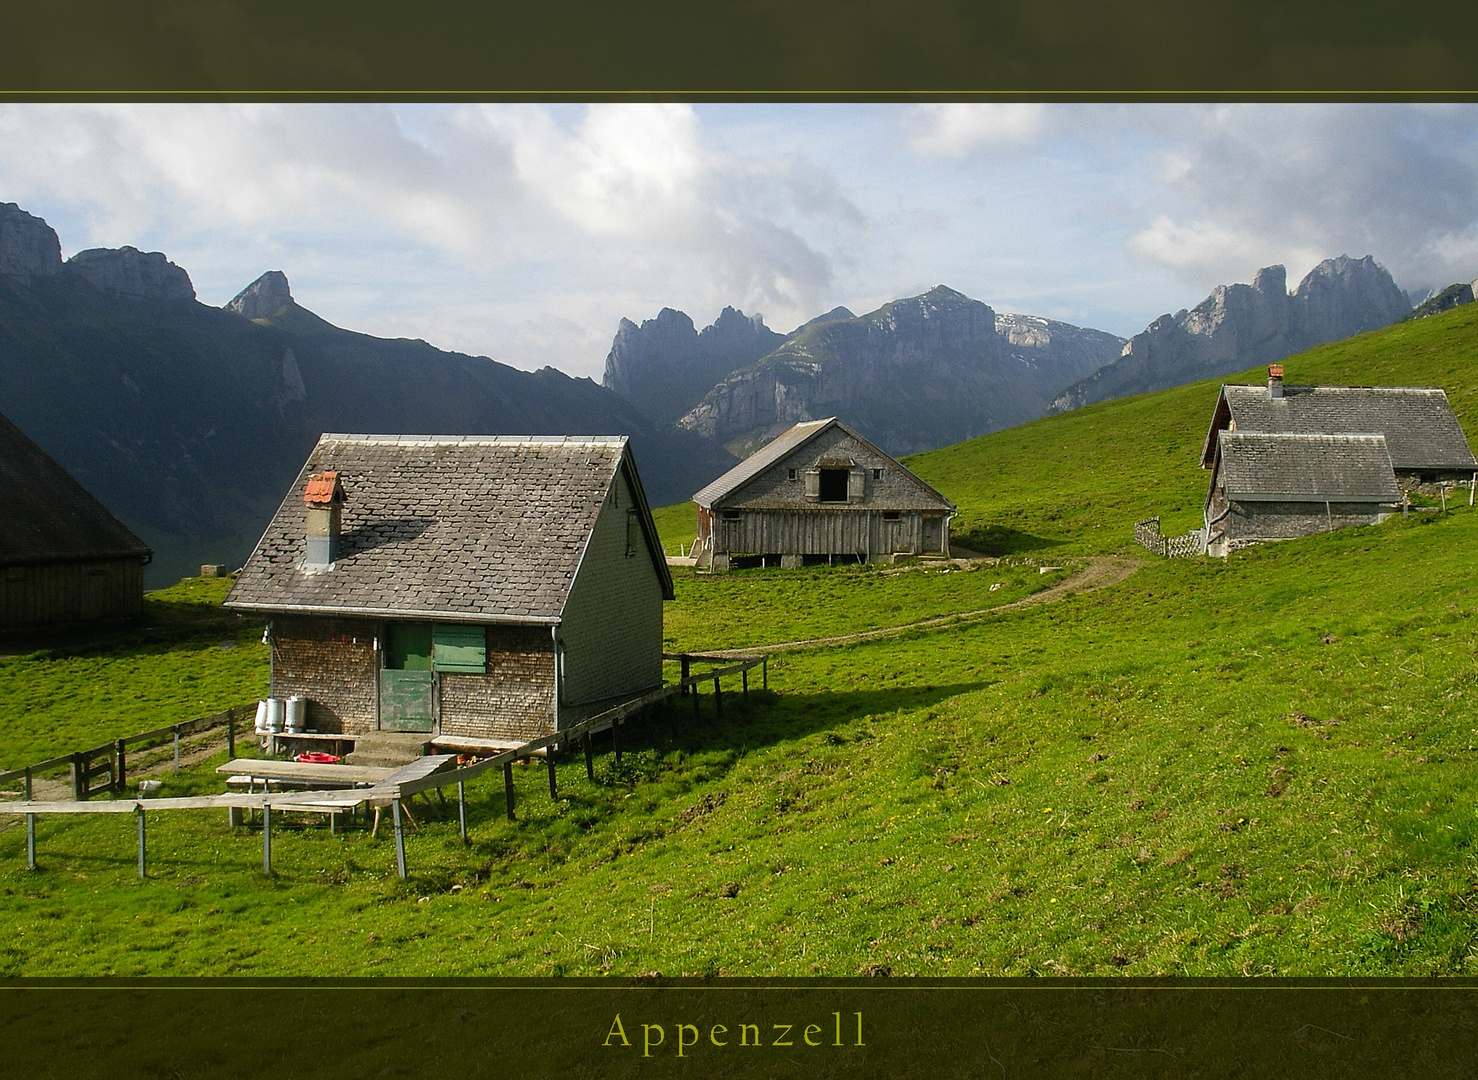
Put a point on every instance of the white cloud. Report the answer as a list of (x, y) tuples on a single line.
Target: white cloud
[(956, 129)]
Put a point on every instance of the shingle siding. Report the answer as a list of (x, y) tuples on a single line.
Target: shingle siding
[(612, 628), (332, 663), (514, 700)]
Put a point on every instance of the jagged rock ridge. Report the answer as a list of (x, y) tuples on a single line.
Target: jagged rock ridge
[(264, 298), (30, 248), (917, 373), (1241, 326), (665, 365)]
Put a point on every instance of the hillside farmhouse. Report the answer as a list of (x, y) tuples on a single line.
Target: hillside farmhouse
[(1287, 461), (484, 589), (819, 492), (63, 556)]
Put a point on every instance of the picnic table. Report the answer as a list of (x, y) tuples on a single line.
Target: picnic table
[(303, 773)]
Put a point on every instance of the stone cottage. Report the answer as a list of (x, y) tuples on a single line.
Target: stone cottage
[(484, 589), (818, 492)]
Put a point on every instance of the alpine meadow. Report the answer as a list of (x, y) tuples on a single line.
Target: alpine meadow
[(1252, 766)]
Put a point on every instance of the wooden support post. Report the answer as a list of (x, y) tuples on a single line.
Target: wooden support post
[(79, 777), (139, 813), (508, 787), (30, 841), (765, 673), (177, 748), (616, 737), (589, 760), (230, 736), (718, 699), (266, 839), (462, 809), (549, 761), (28, 783), (744, 675), (120, 768), (687, 664), (399, 838)]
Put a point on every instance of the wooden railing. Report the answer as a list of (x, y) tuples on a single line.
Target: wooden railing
[(109, 762)]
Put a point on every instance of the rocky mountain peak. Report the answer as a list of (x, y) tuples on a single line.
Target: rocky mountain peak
[(28, 246), (132, 274), (265, 297)]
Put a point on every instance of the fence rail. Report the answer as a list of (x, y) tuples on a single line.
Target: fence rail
[(1147, 534), (110, 760)]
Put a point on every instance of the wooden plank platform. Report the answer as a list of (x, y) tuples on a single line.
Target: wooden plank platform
[(339, 775), (475, 746)]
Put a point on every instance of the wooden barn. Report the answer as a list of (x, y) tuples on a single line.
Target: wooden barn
[(1287, 461), (484, 589), (63, 557), (818, 492)]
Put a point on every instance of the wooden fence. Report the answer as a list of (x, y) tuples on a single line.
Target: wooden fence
[(108, 763), (1147, 534), (393, 793)]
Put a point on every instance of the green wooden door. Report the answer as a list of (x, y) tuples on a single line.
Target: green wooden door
[(406, 680)]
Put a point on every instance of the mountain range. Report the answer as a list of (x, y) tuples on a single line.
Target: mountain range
[(189, 421)]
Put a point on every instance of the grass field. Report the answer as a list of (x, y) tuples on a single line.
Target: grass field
[(1251, 767)]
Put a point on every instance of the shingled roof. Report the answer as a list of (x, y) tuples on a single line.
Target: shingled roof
[(1422, 434), (459, 528), (1259, 467), (46, 516), (788, 441)]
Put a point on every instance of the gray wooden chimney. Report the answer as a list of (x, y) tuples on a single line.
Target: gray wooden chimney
[(325, 498)]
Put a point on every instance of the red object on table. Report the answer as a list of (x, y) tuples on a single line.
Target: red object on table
[(317, 757)]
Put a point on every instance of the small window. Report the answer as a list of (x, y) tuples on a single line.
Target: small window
[(731, 515), (790, 474), (877, 474), (633, 532), (892, 515), (834, 485)]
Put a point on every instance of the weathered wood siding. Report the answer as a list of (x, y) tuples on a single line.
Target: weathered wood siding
[(38, 594), (333, 663), (774, 516), (1255, 522), (514, 699), (611, 631)]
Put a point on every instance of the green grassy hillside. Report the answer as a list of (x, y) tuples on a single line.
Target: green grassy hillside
[(1246, 767)]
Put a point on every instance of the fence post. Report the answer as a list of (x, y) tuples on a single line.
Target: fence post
[(177, 748), (139, 813), (266, 838), (79, 777), (28, 783), (694, 691), (508, 787), (549, 760), (718, 699), (616, 737), (30, 841), (686, 662), (462, 809), (589, 761), (399, 839), (744, 693), (765, 672), (120, 769), (230, 734)]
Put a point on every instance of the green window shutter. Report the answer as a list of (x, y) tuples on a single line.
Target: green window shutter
[(408, 647), (459, 648)]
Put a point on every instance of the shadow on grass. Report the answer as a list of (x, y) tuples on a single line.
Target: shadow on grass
[(165, 625), (996, 541)]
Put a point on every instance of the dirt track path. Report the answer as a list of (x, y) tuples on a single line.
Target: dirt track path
[(1097, 572)]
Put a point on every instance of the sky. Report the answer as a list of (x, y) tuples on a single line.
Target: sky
[(526, 232)]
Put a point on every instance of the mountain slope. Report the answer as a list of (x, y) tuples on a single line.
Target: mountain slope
[(1241, 325), (917, 373)]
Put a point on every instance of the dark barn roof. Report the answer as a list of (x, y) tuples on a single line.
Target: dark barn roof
[(1422, 434), (467, 528), (46, 516), (1258, 467), (781, 446)]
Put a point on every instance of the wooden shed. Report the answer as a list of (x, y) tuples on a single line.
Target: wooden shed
[(487, 589), (1279, 486), (63, 556), (818, 492)]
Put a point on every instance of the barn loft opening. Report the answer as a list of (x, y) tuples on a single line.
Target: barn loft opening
[(834, 485)]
